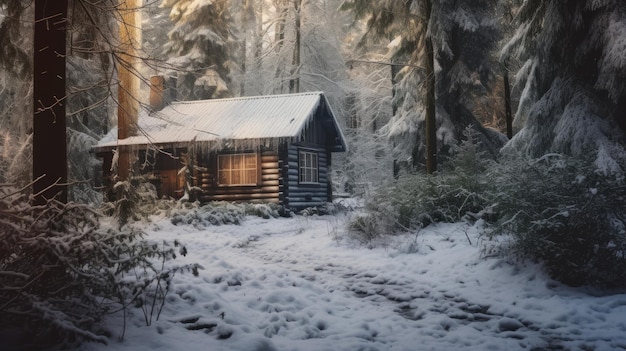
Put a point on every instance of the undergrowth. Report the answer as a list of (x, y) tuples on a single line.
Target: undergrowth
[(560, 211), (61, 273)]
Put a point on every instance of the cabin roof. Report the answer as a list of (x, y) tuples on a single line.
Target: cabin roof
[(255, 118)]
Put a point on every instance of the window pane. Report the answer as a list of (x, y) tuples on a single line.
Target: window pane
[(308, 167), (250, 161), (224, 162), (250, 177), (235, 177), (237, 162), (237, 169), (222, 177)]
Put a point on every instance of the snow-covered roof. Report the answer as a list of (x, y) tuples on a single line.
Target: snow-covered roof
[(235, 119)]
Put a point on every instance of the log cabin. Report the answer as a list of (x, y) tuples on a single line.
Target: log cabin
[(274, 149)]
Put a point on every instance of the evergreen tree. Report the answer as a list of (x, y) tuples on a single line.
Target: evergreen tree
[(16, 28), (244, 28), (197, 47), (462, 34), (574, 75)]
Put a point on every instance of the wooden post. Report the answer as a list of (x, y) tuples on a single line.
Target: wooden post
[(49, 135), (128, 105)]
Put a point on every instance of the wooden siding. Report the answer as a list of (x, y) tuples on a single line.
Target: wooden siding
[(268, 188), (298, 195)]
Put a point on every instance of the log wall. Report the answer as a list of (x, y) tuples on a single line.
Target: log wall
[(298, 195), (268, 189)]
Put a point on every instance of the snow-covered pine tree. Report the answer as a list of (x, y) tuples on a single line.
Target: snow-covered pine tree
[(16, 42), (462, 33), (89, 107), (197, 47), (245, 39), (574, 77)]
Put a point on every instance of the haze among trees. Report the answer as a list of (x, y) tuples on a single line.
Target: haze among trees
[(370, 59), (419, 87)]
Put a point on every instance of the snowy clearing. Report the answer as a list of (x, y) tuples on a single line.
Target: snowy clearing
[(300, 284)]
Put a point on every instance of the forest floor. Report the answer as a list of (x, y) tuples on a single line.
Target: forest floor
[(304, 283)]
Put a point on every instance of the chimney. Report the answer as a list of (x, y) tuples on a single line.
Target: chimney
[(157, 89), (162, 92)]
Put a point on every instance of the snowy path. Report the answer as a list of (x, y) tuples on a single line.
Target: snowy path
[(286, 284)]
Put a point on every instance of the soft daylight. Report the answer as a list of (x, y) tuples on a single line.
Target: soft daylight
[(312, 175)]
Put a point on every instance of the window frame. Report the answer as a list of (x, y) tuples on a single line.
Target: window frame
[(243, 170), (314, 169)]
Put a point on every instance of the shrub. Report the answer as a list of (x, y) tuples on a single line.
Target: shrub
[(134, 199), (559, 210), (60, 272), (460, 191), (219, 213), (564, 213)]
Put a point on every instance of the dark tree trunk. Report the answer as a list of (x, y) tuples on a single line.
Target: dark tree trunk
[(431, 120), (49, 135), (507, 104)]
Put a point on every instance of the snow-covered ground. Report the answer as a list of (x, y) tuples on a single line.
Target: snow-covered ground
[(301, 284)]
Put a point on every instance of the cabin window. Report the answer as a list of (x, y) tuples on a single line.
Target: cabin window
[(237, 169), (308, 167)]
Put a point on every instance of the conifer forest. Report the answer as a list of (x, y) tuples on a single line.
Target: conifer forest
[(499, 123)]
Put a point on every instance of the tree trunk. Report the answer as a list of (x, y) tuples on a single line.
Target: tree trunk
[(49, 135), (128, 105), (431, 120), (294, 82), (279, 34), (507, 104)]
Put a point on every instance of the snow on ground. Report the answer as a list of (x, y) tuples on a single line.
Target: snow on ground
[(300, 284)]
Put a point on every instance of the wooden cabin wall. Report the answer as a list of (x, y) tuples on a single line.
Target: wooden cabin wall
[(268, 190), (298, 195)]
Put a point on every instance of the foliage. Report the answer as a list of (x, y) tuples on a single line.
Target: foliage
[(564, 213), (463, 34), (457, 193), (220, 213), (134, 199), (60, 272), (573, 78), (558, 210), (197, 48)]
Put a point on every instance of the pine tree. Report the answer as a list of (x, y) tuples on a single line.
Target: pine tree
[(462, 34), (574, 75), (16, 29), (197, 47)]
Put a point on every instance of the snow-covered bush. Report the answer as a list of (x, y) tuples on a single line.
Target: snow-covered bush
[(134, 199), (60, 272), (219, 213), (459, 191), (566, 214)]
